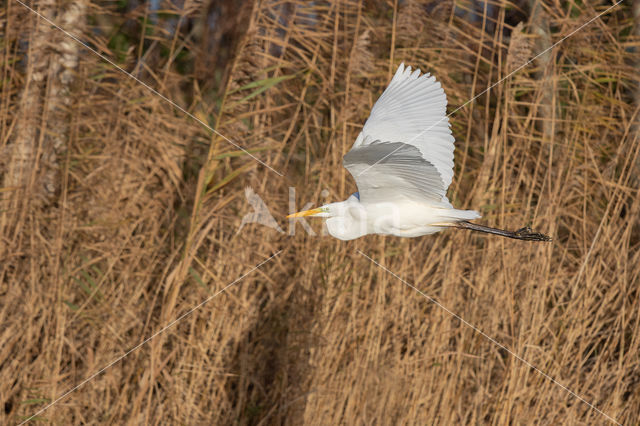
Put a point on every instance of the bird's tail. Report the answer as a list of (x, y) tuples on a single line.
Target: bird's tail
[(460, 215)]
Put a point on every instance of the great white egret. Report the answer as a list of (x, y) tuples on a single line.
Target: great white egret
[(402, 162)]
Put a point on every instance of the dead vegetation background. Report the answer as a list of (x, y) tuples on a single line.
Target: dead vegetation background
[(119, 213)]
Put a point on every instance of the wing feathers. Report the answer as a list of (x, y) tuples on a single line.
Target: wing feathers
[(412, 110)]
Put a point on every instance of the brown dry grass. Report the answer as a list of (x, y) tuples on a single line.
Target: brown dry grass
[(119, 214)]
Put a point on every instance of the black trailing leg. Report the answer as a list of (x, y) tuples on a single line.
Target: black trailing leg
[(525, 233)]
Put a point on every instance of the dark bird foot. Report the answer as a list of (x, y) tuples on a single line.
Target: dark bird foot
[(529, 234)]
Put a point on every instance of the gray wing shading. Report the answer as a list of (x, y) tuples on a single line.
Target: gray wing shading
[(386, 171)]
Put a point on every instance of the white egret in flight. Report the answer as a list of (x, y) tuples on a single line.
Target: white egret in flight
[(402, 162)]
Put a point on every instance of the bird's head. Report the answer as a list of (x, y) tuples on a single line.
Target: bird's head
[(345, 220)]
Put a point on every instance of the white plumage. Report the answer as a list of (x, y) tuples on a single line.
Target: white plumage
[(402, 162)]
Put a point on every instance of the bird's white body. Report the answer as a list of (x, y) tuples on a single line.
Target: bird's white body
[(352, 219), (402, 162)]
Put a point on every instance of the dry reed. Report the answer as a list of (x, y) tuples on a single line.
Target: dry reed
[(142, 224)]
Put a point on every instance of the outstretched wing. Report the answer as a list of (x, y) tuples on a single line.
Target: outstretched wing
[(385, 171), (411, 111)]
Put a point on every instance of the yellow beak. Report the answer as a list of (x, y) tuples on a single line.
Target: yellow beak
[(306, 213)]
